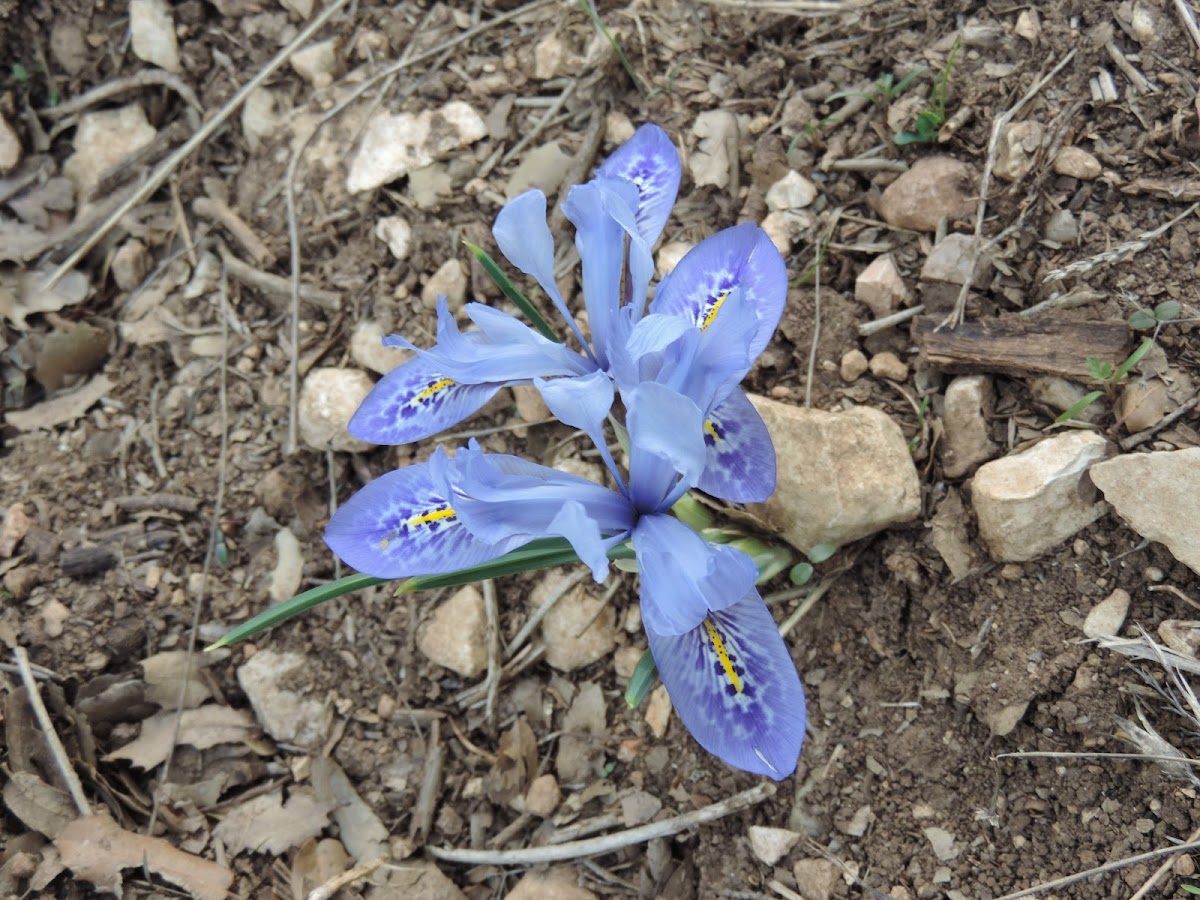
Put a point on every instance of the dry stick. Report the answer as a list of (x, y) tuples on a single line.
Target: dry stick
[(277, 284), (897, 318), (290, 187), (1162, 870), (531, 856), (1120, 252), (203, 133), (960, 305), (431, 786), (1189, 21), (137, 81), (1100, 870), (1141, 437), (335, 884), (542, 122), (57, 750), (540, 613), (493, 650)]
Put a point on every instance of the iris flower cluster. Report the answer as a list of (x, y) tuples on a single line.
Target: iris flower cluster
[(675, 366)]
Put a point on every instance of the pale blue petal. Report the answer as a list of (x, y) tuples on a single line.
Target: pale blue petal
[(735, 687), (666, 446), (740, 464), (619, 199), (650, 161), (413, 401), (583, 402)]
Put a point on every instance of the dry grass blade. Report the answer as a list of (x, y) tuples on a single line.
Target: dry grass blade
[(1068, 880), (793, 7)]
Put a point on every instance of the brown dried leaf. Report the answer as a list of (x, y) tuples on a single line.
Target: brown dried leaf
[(61, 409), (96, 849), (66, 353), (163, 674), (361, 830), (316, 863), (27, 294), (200, 728), (41, 807), (266, 824), (515, 764)]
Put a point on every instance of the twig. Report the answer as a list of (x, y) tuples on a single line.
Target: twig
[(1141, 437), (134, 82), (1189, 21), (1162, 870), (793, 7), (335, 884), (220, 213), (493, 650), (866, 329), (1139, 81), (542, 122), (203, 133), (531, 856), (277, 284), (1100, 870), (540, 613), (431, 785), (1119, 252), (57, 750)]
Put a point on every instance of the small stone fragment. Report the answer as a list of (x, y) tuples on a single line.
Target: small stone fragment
[(854, 364), (530, 405), (669, 256), (1016, 153), (556, 884), (1182, 636), (449, 281), (397, 234), (543, 168), (367, 349), (260, 117), (68, 45), (102, 140), (1060, 394), (153, 31), (816, 879), (548, 56), (571, 642), (771, 845), (713, 161), (302, 8), (316, 63), (617, 128), (888, 365), (455, 636), (429, 184), (638, 808), (1032, 501), (269, 680), (1062, 228), (792, 191), (1106, 617), (880, 287), (130, 264), (942, 842), (328, 399), (658, 711), (579, 753), (543, 796), (1028, 25), (953, 260), (10, 147), (935, 188), (968, 440), (289, 566), (1142, 405), (54, 617), (1076, 162), (857, 825), (395, 145)]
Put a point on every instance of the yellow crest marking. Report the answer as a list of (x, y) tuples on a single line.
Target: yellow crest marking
[(434, 388), (723, 655), (436, 516), (711, 430), (716, 308)]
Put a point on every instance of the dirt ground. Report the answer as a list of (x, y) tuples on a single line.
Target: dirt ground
[(918, 682)]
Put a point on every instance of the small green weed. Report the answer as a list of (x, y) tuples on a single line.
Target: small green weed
[(1109, 376), (612, 42), (884, 91), (1144, 319), (930, 121)]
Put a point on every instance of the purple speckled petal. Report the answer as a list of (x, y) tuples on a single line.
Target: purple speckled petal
[(412, 402), (740, 466), (650, 162)]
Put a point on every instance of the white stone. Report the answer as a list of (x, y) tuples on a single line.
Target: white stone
[(968, 440), (658, 711), (1017, 150), (396, 144), (1158, 495), (289, 566), (880, 287), (1032, 501), (888, 365), (936, 187), (367, 349), (556, 884), (103, 139), (771, 845), (429, 184), (1106, 617), (845, 475), (1061, 227), (328, 399), (816, 878), (260, 118), (571, 642), (455, 636), (544, 168), (942, 842), (397, 234), (316, 62), (854, 364), (10, 147), (713, 160), (1060, 395), (1028, 25), (617, 128), (130, 264), (792, 191), (153, 31), (269, 679), (302, 8), (1076, 162), (543, 796), (950, 261), (669, 256), (548, 56), (449, 281)]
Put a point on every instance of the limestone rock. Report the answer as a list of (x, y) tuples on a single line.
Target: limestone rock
[(888, 365), (713, 160), (968, 440), (544, 167), (880, 287), (394, 145), (153, 31), (10, 147), (571, 642), (854, 364), (130, 264), (1106, 617), (548, 56), (449, 281), (328, 399), (816, 879), (792, 191), (104, 138), (455, 636), (1062, 228), (936, 187), (1076, 162), (1018, 147), (368, 351), (771, 845), (397, 234), (272, 682), (845, 475), (543, 796), (1158, 495), (950, 262), (1031, 501), (316, 62), (556, 884), (1061, 394), (669, 256)]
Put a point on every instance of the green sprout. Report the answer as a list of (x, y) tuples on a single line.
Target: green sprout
[(1145, 319), (802, 572), (884, 91), (930, 121), (1109, 376)]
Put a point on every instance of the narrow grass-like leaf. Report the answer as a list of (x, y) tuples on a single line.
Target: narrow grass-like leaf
[(642, 681), (769, 559), (510, 291), (1078, 406), (1134, 358), (612, 42), (692, 513)]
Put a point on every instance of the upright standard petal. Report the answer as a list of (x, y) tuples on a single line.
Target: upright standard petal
[(742, 256), (666, 446), (735, 687), (414, 401), (583, 402), (650, 162), (740, 465), (403, 524)]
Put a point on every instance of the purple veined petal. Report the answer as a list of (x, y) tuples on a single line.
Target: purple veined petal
[(735, 687), (412, 402), (650, 162), (684, 577), (402, 524), (740, 464), (666, 446), (742, 256)]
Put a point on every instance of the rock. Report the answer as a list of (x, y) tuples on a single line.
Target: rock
[(544, 167), (449, 281), (888, 365), (935, 188), (289, 567), (1142, 405), (530, 405), (130, 264), (556, 884), (429, 184), (782, 228), (1028, 25), (68, 46), (287, 715), (579, 751), (942, 842), (1060, 394), (816, 879), (394, 145), (455, 636), (771, 845), (1076, 162), (328, 398), (950, 262), (880, 287), (397, 234), (968, 440), (1003, 721), (548, 56), (1031, 501), (571, 642), (658, 711), (1106, 617), (857, 824), (302, 8), (669, 256), (948, 534), (55, 615), (316, 63), (102, 140), (1017, 150), (792, 191), (260, 117), (638, 808), (1158, 495), (543, 796), (368, 351), (1062, 228), (845, 475), (153, 31), (715, 159), (10, 147), (415, 881), (854, 364), (1181, 635)]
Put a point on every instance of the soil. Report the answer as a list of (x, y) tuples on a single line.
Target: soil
[(918, 683)]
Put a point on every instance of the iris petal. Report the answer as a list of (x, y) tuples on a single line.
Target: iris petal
[(666, 446), (413, 401), (735, 687), (740, 466), (650, 162)]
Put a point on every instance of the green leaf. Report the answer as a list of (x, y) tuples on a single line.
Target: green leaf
[(821, 552), (612, 42), (1167, 311), (510, 291), (1142, 320), (1099, 369), (692, 513), (20, 74), (1079, 406), (642, 681), (801, 573), (1134, 358), (906, 137), (1190, 888), (769, 559)]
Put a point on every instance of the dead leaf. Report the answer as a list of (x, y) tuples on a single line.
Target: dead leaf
[(61, 409), (266, 824), (66, 353), (949, 535), (27, 294), (515, 764), (200, 728), (316, 863), (163, 674), (417, 881), (15, 526), (41, 807), (56, 195), (363, 832), (96, 849)]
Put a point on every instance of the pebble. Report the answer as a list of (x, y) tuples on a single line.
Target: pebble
[(285, 714), (1017, 150), (10, 147), (367, 349), (950, 260), (638, 808), (530, 405), (626, 658), (289, 566), (68, 46), (544, 168), (968, 441), (853, 366), (1062, 228), (153, 32), (846, 475), (1031, 501), (543, 796), (54, 617), (397, 234), (1076, 162), (397, 144), (316, 62), (935, 188), (816, 879), (658, 711), (449, 281), (1060, 394), (889, 365), (455, 636), (1028, 26), (571, 642), (130, 264), (329, 397), (669, 256), (1106, 617), (618, 128), (556, 884), (771, 845), (260, 117), (880, 288), (1158, 496), (711, 162), (942, 842), (548, 56), (104, 138), (792, 191)]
